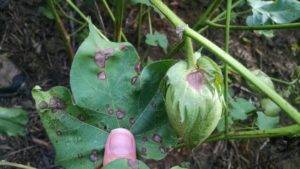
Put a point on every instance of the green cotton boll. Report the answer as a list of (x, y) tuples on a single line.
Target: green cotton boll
[(262, 76), (194, 99)]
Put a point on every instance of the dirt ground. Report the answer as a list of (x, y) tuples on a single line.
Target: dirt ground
[(33, 43)]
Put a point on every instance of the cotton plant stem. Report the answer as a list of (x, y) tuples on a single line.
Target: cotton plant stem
[(139, 28), (149, 21), (259, 27), (119, 19), (189, 52), (290, 131), (6, 163), (66, 15), (211, 8), (179, 45), (63, 32), (84, 17), (113, 17), (227, 40), (225, 57)]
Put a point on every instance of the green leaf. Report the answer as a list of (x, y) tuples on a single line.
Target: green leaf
[(12, 121), (178, 167), (104, 79), (46, 11), (77, 144), (126, 164), (266, 122), (145, 2), (221, 124), (279, 11), (266, 33), (157, 39), (270, 108), (239, 109)]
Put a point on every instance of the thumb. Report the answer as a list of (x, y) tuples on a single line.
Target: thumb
[(120, 144)]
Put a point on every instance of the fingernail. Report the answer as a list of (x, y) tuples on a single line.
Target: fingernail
[(120, 144)]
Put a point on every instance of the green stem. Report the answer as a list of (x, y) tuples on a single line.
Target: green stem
[(149, 21), (112, 17), (179, 45), (225, 57), (109, 11), (292, 131), (259, 27), (283, 81), (189, 52), (140, 23), (63, 32), (6, 163), (211, 8), (119, 18), (227, 36), (66, 15), (84, 17)]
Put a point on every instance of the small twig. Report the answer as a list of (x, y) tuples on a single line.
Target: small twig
[(119, 19), (113, 17), (41, 142), (85, 18), (79, 29), (66, 15), (18, 151), (99, 16), (283, 81), (149, 21), (62, 31), (6, 163), (139, 28), (259, 27)]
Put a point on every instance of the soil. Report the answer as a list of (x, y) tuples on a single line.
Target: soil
[(32, 42)]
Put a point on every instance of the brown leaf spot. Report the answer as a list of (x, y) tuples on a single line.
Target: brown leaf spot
[(81, 117), (162, 149), (120, 114), (144, 151), (131, 120), (144, 139), (123, 47), (94, 155), (138, 67), (157, 138), (101, 76), (58, 132), (110, 111), (43, 105), (102, 55), (56, 103), (195, 79), (133, 163), (133, 80)]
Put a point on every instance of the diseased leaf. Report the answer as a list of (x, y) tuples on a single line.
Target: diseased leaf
[(106, 78), (157, 39), (266, 122), (77, 144), (279, 11), (12, 121), (126, 164), (239, 109)]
